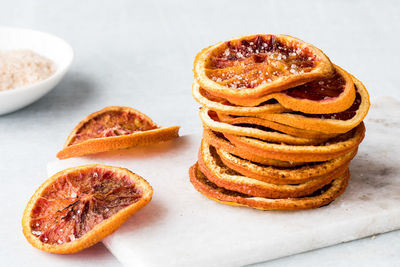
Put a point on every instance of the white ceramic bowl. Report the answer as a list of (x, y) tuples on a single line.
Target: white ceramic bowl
[(44, 44)]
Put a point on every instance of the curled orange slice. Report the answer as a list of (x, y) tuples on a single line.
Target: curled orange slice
[(328, 150), (317, 199), (211, 120), (327, 95), (114, 128), (328, 123), (211, 165), (249, 67), (218, 141), (78, 207), (221, 105), (331, 94), (288, 175), (258, 122)]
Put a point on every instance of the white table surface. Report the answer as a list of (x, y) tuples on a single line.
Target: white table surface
[(140, 54)]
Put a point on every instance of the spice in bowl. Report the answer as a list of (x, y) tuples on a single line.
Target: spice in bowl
[(19, 68)]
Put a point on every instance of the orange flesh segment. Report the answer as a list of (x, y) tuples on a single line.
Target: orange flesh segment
[(262, 59), (75, 203), (112, 123)]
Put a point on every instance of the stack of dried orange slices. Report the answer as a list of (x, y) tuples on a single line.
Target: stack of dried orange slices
[(281, 123)]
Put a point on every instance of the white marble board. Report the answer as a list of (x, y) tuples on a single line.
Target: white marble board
[(180, 227)]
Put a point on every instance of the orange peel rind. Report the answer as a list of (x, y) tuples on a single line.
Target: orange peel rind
[(114, 128)]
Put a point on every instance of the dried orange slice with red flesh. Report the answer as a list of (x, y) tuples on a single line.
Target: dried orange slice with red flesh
[(328, 123), (222, 105), (321, 197), (114, 128), (250, 67), (78, 207), (327, 150), (327, 95), (217, 172), (255, 122), (211, 121), (218, 141), (279, 175), (331, 94)]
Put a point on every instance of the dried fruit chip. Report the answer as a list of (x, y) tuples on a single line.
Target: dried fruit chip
[(249, 67), (211, 121), (217, 172), (222, 105), (279, 175), (114, 128), (330, 149), (219, 141), (331, 94), (78, 207), (258, 122), (328, 123), (319, 198)]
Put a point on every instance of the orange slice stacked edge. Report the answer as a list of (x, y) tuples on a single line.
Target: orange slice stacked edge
[(319, 198), (217, 172)]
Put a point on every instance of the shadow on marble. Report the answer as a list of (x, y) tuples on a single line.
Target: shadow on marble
[(145, 218), (73, 92)]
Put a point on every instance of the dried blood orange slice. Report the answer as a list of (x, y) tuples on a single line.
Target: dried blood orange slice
[(328, 150), (218, 141), (217, 172), (114, 128), (78, 207), (330, 94), (289, 175), (317, 199), (328, 123), (327, 95), (222, 105), (254, 121), (249, 67), (211, 120)]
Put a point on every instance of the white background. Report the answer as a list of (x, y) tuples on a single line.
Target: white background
[(140, 54)]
